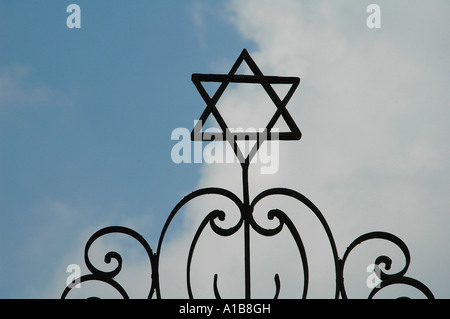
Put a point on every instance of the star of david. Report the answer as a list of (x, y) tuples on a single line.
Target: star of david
[(259, 78)]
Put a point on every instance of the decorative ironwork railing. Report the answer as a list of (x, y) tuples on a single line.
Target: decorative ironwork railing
[(246, 222)]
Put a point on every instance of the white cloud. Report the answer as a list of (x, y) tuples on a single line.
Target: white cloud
[(374, 149)]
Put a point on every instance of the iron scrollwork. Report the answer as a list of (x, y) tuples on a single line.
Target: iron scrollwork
[(385, 278), (108, 276), (246, 221)]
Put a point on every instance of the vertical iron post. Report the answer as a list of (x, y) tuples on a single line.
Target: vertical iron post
[(247, 212)]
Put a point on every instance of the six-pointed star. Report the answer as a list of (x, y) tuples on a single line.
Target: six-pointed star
[(257, 77)]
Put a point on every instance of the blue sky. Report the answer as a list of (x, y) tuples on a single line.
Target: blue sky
[(86, 117), (87, 114)]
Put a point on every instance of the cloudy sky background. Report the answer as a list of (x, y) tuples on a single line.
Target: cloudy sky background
[(86, 118)]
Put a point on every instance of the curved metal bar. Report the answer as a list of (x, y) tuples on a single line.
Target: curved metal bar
[(221, 216), (187, 198), (221, 231), (280, 215), (114, 255), (209, 218), (381, 259), (303, 199), (98, 277), (276, 278), (216, 290), (403, 281), (285, 220), (205, 221)]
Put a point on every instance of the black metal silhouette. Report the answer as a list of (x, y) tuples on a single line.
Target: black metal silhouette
[(246, 206), (257, 77)]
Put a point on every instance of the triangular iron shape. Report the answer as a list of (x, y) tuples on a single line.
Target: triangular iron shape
[(232, 77)]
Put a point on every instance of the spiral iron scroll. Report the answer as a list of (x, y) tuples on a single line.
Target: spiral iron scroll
[(246, 216), (108, 276), (386, 279)]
